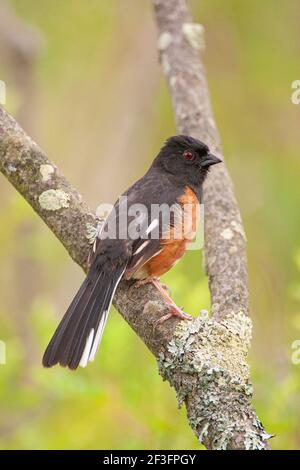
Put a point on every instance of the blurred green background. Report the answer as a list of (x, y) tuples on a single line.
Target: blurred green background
[(99, 106)]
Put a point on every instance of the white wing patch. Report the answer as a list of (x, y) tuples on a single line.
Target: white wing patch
[(152, 226), (143, 245)]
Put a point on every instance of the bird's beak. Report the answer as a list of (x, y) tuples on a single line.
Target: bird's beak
[(209, 160)]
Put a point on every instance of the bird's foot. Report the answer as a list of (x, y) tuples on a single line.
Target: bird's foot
[(174, 311)]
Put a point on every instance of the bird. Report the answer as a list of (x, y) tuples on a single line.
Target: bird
[(138, 242)]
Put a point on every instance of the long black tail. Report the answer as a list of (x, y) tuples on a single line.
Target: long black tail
[(78, 336)]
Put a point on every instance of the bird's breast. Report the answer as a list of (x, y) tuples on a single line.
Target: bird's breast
[(175, 238)]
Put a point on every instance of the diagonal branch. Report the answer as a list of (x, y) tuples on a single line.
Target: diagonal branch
[(204, 360)]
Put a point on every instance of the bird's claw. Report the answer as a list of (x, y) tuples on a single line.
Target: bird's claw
[(174, 312)]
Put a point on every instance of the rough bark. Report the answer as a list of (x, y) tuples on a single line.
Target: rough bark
[(204, 360)]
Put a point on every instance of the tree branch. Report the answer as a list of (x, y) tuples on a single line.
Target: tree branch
[(204, 360)]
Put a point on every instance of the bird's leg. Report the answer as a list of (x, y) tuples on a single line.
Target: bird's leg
[(144, 282), (173, 309)]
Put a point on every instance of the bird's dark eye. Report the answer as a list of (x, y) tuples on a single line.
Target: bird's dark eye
[(188, 155)]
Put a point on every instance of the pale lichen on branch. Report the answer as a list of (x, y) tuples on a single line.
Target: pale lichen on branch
[(206, 364)]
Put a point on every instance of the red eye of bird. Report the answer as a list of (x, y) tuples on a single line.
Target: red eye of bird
[(187, 155)]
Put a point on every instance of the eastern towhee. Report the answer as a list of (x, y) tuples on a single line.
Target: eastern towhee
[(145, 234)]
